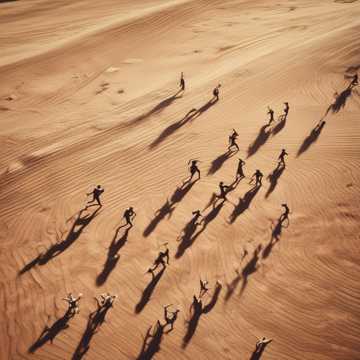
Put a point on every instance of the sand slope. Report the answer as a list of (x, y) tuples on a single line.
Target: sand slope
[(88, 95)]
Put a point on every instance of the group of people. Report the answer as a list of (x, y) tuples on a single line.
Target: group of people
[(283, 116)]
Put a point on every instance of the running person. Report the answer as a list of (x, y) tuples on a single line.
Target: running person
[(281, 157), (258, 175), (129, 216), (232, 140), (182, 82), (73, 304), (96, 195), (271, 113), (240, 172)]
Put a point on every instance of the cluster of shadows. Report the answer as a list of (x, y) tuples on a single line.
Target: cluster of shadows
[(311, 138), (77, 228), (190, 116), (264, 134), (189, 233), (340, 100), (146, 295), (244, 203), (250, 268), (112, 256), (276, 234), (96, 319), (156, 109), (49, 333), (169, 206), (274, 177), (197, 310)]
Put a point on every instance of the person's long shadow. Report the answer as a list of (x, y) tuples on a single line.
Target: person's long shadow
[(244, 203), (232, 286), (190, 116), (279, 126), (250, 268), (112, 256), (275, 236), (256, 355), (340, 101), (199, 310), (273, 178), (311, 138), (55, 250), (169, 206), (186, 238), (146, 295), (156, 109), (96, 319), (148, 350), (260, 140), (49, 333), (219, 162)]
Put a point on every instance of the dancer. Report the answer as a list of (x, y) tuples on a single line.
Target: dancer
[(285, 215), (193, 170), (73, 304), (129, 216), (240, 172), (223, 190), (286, 110), (258, 175), (216, 92), (106, 300), (96, 195), (182, 82), (271, 113), (203, 288), (232, 140), (281, 157), (261, 344), (160, 260), (170, 319)]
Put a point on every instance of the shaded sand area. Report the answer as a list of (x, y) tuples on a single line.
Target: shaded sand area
[(89, 95)]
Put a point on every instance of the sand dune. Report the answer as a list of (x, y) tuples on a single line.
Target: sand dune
[(89, 95)]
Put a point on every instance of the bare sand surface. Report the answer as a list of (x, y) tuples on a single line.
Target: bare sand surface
[(89, 95)]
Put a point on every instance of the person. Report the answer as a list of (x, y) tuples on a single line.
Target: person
[(197, 215), (285, 215), (73, 304), (261, 344), (240, 172), (281, 157), (232, 140), (223, 190), (193, 169), (129, 216), (286, 109), (355, 81), (160, 260), (182, 82), (258, 176), (271, 113), (96, 195), (216, 92), (106, 300), (203, 288), (170, 319)]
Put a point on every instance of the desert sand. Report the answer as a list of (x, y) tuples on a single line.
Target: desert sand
[(89, 95)]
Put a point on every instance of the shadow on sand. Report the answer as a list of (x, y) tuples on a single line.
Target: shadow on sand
[(273, 178), (219, 161), (190, 116), (311, 138), (55, 250), (275, 235), (169, 206), (149, 349)]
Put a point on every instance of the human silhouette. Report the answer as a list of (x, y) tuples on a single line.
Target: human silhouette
[(240, 171), (162, 259), (73, 304), (281, 157), (271, 114), (285, 215), (286, 110), (355, 81), (193, 170), (223, 190), (129, 216), (232, 140), (203, 288), (105, 300), (216, 92), (182, 82), (258, 175), (96, 195), (170, 317)]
